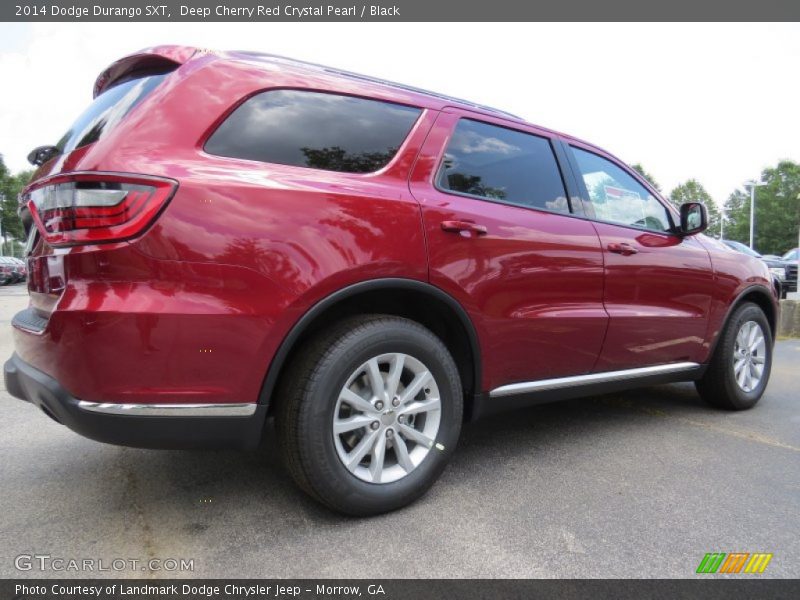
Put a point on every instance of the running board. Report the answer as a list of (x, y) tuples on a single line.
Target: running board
[(527, 393), (577, 380)]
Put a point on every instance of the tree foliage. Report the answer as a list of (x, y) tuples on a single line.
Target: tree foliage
[(650, 179), (777, 210), (693, 191), (10, 187)]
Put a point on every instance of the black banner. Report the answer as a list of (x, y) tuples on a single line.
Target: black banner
[(398, 10), (391, 589)]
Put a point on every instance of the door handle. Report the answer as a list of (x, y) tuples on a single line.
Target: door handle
[(465, 228), (622, 248)]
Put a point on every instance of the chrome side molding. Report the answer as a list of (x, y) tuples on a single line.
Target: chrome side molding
[(578, 380), (170, 410)]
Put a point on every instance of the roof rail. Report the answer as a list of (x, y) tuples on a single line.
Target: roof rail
[(333, 71)]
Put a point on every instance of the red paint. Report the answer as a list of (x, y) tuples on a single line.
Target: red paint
[(194, 308)]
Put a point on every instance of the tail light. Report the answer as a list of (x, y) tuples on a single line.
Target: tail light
[(93, 208)]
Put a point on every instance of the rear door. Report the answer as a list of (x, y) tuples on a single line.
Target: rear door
[(503, 240), (658, 285)]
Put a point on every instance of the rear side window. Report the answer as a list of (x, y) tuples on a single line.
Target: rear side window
[(503, 165), (107, 110), (314, 129)]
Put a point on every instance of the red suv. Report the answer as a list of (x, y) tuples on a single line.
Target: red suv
[(221, 238)]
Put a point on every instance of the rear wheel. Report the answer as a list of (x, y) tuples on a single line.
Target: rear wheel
[(370, 413), (739, 370)]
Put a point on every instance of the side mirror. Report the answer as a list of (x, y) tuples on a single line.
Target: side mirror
[(694, 218)]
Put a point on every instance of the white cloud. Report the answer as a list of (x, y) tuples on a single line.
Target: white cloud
[(716, 102)]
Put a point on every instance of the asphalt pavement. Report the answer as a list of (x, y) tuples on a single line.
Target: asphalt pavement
[(637, 484)]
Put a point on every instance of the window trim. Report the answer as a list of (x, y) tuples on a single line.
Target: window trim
[(438, 170), (223, 117), (584, 192)]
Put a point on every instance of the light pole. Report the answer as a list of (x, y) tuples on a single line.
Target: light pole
[(722, 223), (752, 184)]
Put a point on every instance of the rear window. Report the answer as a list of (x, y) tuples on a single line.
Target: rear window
[(314, 129), (107, 110)]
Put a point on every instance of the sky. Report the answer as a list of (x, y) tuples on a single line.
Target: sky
[(714, 102)]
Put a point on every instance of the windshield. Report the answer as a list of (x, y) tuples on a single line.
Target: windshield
[(107, 110), (791, 255)]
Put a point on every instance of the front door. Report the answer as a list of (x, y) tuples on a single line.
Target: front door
[(658, 284)]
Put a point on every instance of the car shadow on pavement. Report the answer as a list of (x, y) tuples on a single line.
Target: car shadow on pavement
[(257, 481)]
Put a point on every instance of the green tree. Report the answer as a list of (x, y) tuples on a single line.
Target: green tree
[(650, 179), (10, 187), (777, 210), (737, 216), (693, 191)]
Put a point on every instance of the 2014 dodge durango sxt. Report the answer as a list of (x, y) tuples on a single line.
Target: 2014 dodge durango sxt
[(221, 238)]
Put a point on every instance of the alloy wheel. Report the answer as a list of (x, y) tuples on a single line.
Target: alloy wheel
[(386, 418)]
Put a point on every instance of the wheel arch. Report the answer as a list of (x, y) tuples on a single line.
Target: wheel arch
[(410, 298), (758, 295)]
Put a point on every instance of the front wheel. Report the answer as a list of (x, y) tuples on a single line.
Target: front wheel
[(740, 367), (370, 414)]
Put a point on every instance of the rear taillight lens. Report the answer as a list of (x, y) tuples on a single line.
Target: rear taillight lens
[(92, 208)]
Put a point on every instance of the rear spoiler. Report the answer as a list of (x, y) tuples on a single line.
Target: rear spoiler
[(158, 57)]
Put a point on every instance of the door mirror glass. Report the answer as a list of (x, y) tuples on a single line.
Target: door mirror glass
[(694, 218)]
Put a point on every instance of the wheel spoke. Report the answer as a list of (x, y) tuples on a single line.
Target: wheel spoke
[(415, 386), (741, 339), (752, 333), (759, 360), (420, 407), (401, 452), (416, 436), (375, 378), (748, 380), (355, 422), (738, 366), (377, 459), (395, 371), (361, 450), (741, 377), (356, 401)]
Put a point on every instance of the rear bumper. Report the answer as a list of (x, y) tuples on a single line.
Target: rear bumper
[(169, 426)]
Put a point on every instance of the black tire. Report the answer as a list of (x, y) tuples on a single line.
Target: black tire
[(307, 396), (718, 385)]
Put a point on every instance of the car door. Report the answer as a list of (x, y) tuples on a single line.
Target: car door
[(502, 240), (658, 284)]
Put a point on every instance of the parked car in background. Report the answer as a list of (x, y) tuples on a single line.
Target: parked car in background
[(7, 274), (17, 268), (784, 271), (22, 268), (791, 255), (223, 237)]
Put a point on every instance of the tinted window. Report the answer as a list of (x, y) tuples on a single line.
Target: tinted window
[(616, 196), (311, 129), (503, 165), (108, 109)]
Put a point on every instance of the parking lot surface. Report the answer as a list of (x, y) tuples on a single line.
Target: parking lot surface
[(637, 484)]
